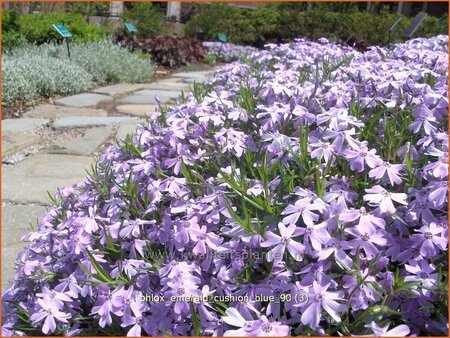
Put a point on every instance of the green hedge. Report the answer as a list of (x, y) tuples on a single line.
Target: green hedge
[(38, 28), (278, 23), (149, 19)]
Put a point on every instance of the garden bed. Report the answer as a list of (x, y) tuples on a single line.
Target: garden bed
[(303, 192)]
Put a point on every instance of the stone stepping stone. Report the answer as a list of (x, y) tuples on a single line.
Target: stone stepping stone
[(16, 221), (120, 89), (51, 111), (124, 130), (202, 73), (171, 86), (141, 110), (193, 76), (85, 145), (15, 142), (71, 122), (28, 181), (148, 96), (22, 125), (83, 100), (9, 257)]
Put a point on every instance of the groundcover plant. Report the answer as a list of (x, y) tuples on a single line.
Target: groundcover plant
[(303, 192)]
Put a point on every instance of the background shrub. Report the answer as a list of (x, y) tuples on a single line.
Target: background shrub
[(148, 19), (11, 37), (283, 22), (38, 28)]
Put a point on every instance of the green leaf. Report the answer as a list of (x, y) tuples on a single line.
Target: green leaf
[(195, 320)]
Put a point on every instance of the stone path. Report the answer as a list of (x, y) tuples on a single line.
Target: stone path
[(53, 145)]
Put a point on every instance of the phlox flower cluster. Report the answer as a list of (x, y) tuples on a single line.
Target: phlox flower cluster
[(227, 52), (303, 192)]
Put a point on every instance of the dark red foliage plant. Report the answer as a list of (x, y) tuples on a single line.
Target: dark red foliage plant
[(168, 51)]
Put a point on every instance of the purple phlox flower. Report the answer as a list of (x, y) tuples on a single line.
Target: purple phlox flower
[(282, 242), (80, 242), (134, 228), (336, 118), (273, 115), (175, 268), (367, 240), (231, 139), (316, 234), (256, 189), (302, 207), (181, 288), (264, 328), (136, 319), (70, 283), (437, 193), (279, 143), (238, 113), (220, 98), (184, 230), (90, 223), (406, 149), (183, 156), (422, 272), (362, 294), (320, 298), (312, 197), (438, 169), (175, 186), (212, 207), (382, 331), (424, 118), (187, 207), (366, 221), (303, 115), (429, 241), (205, 311), (322, 150), (422, 208), (131, 267), (339, 137), (276, 288), (142, 168), (204, 239), (107, 302), (336, 247), (316, 272), (234, 318), (389, 170), (379, 196), (361, 156), (54, 298), (48, 312), (341, 193)]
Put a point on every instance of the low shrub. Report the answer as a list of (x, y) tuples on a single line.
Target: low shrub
[(33, 71), (38, 28), (167, 51), (109, 63), (30, 72)]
